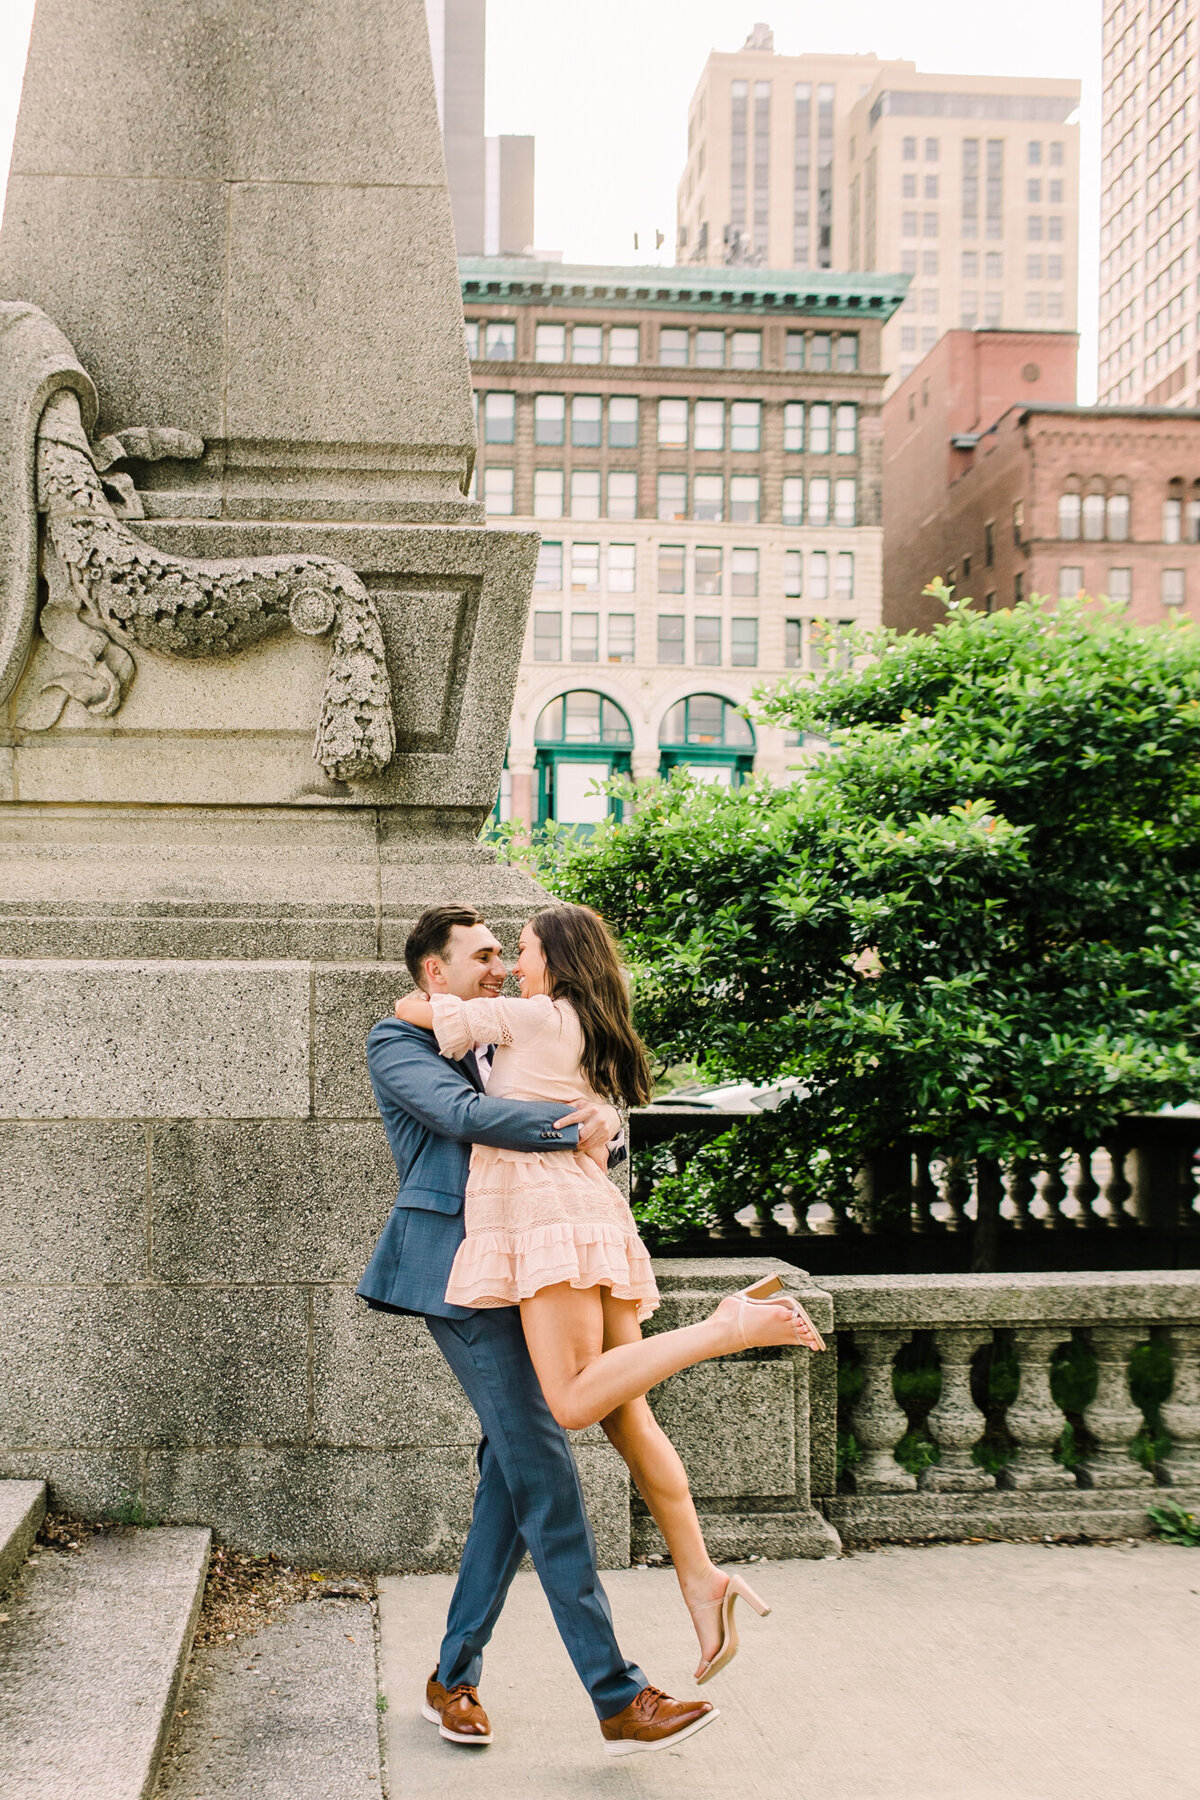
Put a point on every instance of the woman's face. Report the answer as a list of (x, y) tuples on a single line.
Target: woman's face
[(531, 965)]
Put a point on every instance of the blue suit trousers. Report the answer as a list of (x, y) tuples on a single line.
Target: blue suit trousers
[(528, 1497)]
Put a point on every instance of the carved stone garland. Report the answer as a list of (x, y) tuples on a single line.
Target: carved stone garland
[(109, 589)]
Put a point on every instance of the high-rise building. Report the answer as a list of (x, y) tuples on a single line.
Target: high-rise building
[(966, 183), (490, 178), (700, 451), (1148, 347)]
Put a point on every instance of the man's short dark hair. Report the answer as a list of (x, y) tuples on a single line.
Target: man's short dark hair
[(431, 934)]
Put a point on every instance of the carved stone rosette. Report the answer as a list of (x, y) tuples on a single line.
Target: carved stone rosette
[(956, 1423)]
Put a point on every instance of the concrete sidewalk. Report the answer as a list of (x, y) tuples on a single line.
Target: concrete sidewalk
[(952, 1672)]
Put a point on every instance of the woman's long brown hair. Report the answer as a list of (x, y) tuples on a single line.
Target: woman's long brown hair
[(583, 967)]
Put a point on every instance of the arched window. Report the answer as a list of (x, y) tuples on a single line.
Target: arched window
[(1093, 518), (1118, 518), (582, 739), (708, 736), (1069, 507)]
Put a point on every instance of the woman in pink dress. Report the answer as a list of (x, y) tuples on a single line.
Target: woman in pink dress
[(551, 1233)]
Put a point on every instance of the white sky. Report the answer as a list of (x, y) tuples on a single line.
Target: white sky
[(605, 89)]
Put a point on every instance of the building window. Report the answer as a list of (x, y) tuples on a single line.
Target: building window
[(792, 644), (1173, 589), (623, 346), (968, 316), (908, 224), (585, 568), (710, 425), (745, 425), (845, 501), (818, 500), (471, 327), (500, 340), (1070, 580), (819, 418), (622, 569), (1093, 518), (550, 344), (585, 421), (908, 187), (549, 418), (1192, 532), (1018, 587), (989, 544), (929, 264), (1033, 268), (820, 353), (672, 496), (673, 423), (547, 637), (929, 300), (1054, 306), (1172, 521), (710, 349), (498, 491), (1033, 153), (843, 581), (1033, 306), (670, 637), (708, 569), (847, 431), (909, 150), (793, 425), (622, 493), (1070, 508), (793, 500), (549, 567), (622, 422), (585, 493), (1033, 193), (1056, 156), (672, 347), (706, 719), (929, 225), (847, 352), (931, 149), (1033, 228), (1018, 522), (743, 499), (671, 569), (620, 637), (1054, 268), (1120, 585), (706, 636), (995, 188), (743, 643), (793, 574), (929, 338), (499, 418), (908, 337), (993, 310), (743, 574), (585, 637), (746, 350), (1054, 228), (547, 493), (587, 344), (794, 351), (818, 575), (708, 497), (930, 193)]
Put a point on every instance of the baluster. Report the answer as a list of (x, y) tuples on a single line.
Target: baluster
[(1118, 1187), (1189, 1187), (924, 1193), (956, 1423), (1113, 1418), (1021, 1191), (843, 1224), (878, 1422), (1054, 1193), (1034, 1419), (1181, 1413), (1085, 1188), (958, 1192), (799, 1226)]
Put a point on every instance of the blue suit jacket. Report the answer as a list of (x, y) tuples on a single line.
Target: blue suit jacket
[(433, 1111)]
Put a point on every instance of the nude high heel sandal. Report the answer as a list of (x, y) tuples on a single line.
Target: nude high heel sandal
[(736, 1589), (769, 1292)]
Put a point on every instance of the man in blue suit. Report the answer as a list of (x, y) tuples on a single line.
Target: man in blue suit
[(528, 1496)]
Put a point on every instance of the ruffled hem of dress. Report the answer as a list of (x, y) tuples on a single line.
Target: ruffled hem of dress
[(502, 1268)]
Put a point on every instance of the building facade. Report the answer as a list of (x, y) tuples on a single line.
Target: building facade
[(968, 184), (702, 457), (1149, 351), (490, 178), (997, 482)]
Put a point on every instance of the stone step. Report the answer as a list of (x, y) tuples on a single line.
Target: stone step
[(91, 1658), (22, 1509)]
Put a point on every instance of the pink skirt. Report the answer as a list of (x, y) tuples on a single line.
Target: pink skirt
[(534, 1220)]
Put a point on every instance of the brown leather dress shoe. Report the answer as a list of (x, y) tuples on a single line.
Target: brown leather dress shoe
[(654, 1722), (456, 1712)]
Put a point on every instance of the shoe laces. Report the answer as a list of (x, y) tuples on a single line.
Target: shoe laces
[(463, 1687)]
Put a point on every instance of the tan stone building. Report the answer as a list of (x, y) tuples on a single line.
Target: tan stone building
[(966, 183), (700, 450), (1149, 353)]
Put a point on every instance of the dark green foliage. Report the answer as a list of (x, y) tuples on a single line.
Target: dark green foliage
[(1173, 1523), (976, 919)]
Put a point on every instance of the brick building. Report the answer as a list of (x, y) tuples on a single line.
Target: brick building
[(995, 481), (701, 450)]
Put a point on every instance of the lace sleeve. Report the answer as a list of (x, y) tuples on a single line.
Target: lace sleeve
[(501, 1022)]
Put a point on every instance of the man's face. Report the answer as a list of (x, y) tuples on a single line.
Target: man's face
[(471, 966)]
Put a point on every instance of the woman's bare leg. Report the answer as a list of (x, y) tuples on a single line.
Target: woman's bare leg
[(662, 1481), (583, 1382)]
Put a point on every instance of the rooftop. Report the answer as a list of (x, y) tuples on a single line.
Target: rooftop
[(520, 281)]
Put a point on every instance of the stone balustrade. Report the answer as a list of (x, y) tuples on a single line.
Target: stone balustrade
[(1032, 1492)]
